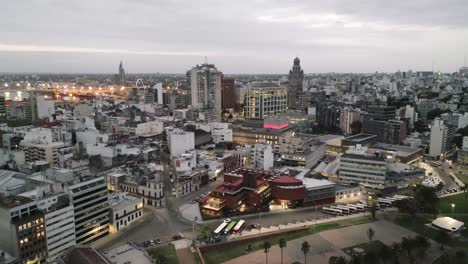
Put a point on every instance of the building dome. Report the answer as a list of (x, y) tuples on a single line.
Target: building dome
[(297, 61)]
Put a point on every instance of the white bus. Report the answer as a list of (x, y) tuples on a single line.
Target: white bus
[(344, 210), (358, 207), (384, 202), (220, 228), (332, 211), (238, 226), (351, 209)]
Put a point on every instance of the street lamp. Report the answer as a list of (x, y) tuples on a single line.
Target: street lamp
[(453, 207)]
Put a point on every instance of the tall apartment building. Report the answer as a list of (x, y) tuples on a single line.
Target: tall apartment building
[(228, 93), (59, 224), (441, 139), (328, 115), (3, 112), (91, 209), (205, 85), (263, 100), (395, 132), (22, 230), (38, 145), (347, 117), (263, 156), (358, 167)]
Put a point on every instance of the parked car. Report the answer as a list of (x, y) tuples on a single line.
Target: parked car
[(157, 241)]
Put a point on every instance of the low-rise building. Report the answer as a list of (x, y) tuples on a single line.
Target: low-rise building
[(124, 209)]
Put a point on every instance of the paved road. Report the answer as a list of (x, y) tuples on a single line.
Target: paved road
[(444, 174)]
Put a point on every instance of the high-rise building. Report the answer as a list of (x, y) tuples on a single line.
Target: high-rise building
[(395, 132), (2, 107), (441, 139), (22, 230), (376, 121), (296, 78), (228, 93), (91, 209), (347, 117), (263, 100), (328, 115), (121, 76), (205, 85)]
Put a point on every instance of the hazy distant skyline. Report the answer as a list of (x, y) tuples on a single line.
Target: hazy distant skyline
[(243, 36)]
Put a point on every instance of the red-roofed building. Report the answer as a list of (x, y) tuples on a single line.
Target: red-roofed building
[(242, 189), (287, 189)]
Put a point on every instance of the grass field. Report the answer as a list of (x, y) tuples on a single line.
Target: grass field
[(168, 251), (227, 253)]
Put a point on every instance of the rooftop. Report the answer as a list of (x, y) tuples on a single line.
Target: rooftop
[(399, 149), (83, 255), (127, 254), (13, 201)]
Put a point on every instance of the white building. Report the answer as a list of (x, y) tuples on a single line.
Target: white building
[(411, 115), (180, 141), (151, 128), (90, 137), (221, 135), (463, 121), (59, 224), (124, 210), (262, 100), (358, 167), (45, 108), (263, 156), (205, 84), (438, 139), (347, 117), (159, 93)]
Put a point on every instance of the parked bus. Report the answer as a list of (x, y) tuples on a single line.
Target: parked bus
[(220, 228), (239, 226), (230, 227), (344, 210), (384, 202), (351, 209), (358, 207), (331, 211)]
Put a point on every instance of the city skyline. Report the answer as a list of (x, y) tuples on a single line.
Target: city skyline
[(85, 37)]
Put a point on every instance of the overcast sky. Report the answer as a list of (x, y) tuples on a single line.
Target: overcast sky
[(241, 36)]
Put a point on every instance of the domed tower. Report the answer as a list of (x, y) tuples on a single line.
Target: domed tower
[(296, 77)]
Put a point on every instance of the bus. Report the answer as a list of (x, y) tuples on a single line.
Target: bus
[(384, 202), (331, 211), (351, 209), (220, 228), (239, 226), (358, 207), (230, 227), (344, 210)]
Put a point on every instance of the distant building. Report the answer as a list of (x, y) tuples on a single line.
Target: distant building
[(296, 79), (263, 156), (376, 121), (347, 117), (265, 100), (121, 76), (328, 115), (356, 166), (205, 85), (441, 139), (228, 93)]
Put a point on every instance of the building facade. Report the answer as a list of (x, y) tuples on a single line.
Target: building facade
[(261, 102)]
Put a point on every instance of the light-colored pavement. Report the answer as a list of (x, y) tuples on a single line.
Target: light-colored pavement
[(330, 243)]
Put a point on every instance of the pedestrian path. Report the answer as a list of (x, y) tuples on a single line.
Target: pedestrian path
[(182, 243), (185, 256)]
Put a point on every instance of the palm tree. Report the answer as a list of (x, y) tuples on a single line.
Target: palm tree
[(266, 247), (305, 249), (282, 244), (370, 234)]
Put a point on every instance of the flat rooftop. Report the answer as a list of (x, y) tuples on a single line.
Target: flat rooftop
[(127, 254), (13, 201), (360, 137), (399, 149)]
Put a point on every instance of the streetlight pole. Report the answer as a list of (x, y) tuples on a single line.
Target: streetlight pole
[(453, 208)]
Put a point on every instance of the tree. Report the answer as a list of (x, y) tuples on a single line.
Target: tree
[(420, 127), (305, 248), (160, 259), (407, 244), (464, 188), (435, 113), (442, 238), (460, 256), (337, 260), (282, 244), (266, 247), (422, 243), (372, 205), (370, 234)]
